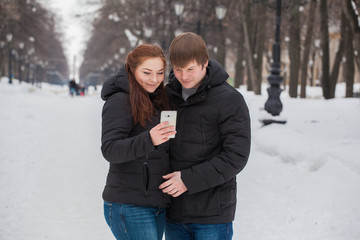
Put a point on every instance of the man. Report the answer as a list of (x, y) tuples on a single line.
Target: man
[(211, 146)]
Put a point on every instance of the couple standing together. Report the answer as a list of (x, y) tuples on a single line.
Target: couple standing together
[(186, 185)]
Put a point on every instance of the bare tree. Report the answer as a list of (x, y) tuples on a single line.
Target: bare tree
[(34, 27), (252, 77), (348, 66), (294, 48), (307, 47), (351, 10), (339, 56), (259, 36), (239, 65), (325, 81)]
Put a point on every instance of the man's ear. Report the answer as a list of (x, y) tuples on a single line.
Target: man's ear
[(206, 64)]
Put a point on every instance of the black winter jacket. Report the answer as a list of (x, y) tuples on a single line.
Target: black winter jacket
[(136, 166), (211, 147)]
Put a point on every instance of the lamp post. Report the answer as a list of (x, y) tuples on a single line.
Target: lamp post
[(147, 33), (45, 69), (273, 104), (2, 46), (221, 54), (21, 47), (179, 8), (27, 69), (9, 38), (220, 12), (29, 79), (40, 71), (32, 65)]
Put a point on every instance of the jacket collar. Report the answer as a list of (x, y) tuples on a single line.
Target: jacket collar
[(215, 75), (117, 83)]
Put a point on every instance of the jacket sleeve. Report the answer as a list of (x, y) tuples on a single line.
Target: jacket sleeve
[(117, 123), (234, 130)]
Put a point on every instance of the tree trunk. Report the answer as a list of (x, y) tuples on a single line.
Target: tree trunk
[(294, 49), (221, 54), (355, 26), (239, 68), (312, 68), (338, 58), (249, 55), (260, 42), (325, 81), (306, 54), (349, 67)]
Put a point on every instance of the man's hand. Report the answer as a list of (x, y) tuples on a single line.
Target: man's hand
[(174, 186)]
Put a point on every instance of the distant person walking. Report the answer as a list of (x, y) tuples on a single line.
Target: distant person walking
[(73, 87), (136, 146)]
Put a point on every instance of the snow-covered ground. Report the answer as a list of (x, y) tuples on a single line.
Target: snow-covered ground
[(302, 181)]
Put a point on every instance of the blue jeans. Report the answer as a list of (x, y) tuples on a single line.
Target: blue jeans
[(194, 231), (132, 222)]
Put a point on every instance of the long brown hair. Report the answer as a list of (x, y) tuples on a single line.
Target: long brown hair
[(142, 107)]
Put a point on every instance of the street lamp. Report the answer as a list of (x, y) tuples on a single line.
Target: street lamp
[(9, 38), (35, 71), (31, 51), (147, 33), (273, 105), (178, 32), (21, 47), (220, 12), (46, 64), (39, 67), (122, 50), (179, 8), (32, 39), (2, 46)]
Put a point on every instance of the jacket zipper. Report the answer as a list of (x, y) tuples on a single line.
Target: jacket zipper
[(146, 176)]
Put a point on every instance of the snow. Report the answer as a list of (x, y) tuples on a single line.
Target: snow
[(301, 183)]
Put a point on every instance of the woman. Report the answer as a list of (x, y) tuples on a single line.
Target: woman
[(136, 146)]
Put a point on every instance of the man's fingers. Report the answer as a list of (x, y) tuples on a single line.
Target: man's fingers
[(168, 176), (169, 190), (178, 193), (165, 184)]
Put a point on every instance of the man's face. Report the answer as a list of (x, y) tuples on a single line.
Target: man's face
[(191, 75)]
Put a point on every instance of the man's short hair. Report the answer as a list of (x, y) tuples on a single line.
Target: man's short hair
[(188, 47)]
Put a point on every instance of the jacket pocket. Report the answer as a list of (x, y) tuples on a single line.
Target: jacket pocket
[(202, 204), (146, 178)]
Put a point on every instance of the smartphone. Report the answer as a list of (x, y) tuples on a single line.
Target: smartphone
[(169, 116)]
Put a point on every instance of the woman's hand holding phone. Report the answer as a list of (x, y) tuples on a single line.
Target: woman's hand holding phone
[(161, 133)]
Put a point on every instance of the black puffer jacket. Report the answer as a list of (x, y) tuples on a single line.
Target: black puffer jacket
[(136, 166), (211, 147)]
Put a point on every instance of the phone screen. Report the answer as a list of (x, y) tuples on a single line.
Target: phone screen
[(169, 116)]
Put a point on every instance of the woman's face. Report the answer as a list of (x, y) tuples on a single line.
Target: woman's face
[(150, 74)]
